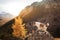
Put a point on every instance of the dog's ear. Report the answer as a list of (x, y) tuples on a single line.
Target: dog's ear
[(47, 24)]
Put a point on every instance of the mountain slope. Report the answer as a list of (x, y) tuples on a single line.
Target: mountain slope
[(47, 11), (39, 11), (5, 17)]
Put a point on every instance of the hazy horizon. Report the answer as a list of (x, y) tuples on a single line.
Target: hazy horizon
[(14, 7)]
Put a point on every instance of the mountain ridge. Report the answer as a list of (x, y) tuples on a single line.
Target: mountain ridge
[(5, 17)]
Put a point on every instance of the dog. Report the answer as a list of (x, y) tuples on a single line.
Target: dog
[(41, 26)]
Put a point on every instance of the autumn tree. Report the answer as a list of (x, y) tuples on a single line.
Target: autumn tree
[(19, 28)]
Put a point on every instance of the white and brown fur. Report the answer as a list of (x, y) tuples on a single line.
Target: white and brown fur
[(42, 26)]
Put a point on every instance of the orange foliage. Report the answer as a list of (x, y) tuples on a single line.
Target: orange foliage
[(19, 28)]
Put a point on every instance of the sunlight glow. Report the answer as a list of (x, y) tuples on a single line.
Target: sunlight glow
[(15, 7)]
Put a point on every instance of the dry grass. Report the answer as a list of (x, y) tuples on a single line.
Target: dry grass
[(57, 38)]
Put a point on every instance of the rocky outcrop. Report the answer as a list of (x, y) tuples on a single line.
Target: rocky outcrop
[(40, 35), (47, 11)]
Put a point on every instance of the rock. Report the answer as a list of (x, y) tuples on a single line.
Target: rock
[(40, 35)]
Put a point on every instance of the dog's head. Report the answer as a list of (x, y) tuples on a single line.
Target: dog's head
[(41, 26)]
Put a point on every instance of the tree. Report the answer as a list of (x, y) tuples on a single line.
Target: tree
[(19, 28)]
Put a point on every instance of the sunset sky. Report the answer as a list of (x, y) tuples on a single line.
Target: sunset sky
[(14, 7)]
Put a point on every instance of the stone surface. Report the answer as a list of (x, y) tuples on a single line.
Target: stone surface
[(40, 35)]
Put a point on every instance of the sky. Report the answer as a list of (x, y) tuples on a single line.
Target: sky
[(14, 7)]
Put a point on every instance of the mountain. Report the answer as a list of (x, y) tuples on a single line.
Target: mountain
[(39, 9), (47, 11), (5, 17)]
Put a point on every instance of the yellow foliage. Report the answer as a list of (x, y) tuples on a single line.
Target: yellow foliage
[(19, 28)]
